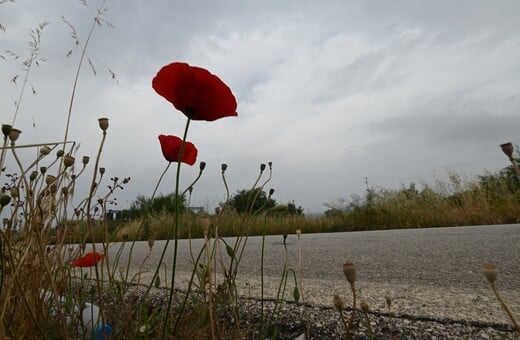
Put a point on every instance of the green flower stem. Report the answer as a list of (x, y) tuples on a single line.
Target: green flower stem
[(133, 242), (90, 228), (175, 230)]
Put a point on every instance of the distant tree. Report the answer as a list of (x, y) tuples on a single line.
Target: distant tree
[(163, 203), (293, 210), (244, 199)]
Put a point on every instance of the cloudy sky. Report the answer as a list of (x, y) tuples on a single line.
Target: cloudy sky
[(332, 92)]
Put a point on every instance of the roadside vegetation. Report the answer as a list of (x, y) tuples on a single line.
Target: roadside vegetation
[(491, 198)]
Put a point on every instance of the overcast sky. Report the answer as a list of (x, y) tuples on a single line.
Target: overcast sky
[(332, 92)]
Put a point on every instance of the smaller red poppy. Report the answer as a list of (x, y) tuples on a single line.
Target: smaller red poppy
[(88, 260), (171, 147)]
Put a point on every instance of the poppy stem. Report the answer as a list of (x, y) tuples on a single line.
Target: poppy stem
[(175, 230)]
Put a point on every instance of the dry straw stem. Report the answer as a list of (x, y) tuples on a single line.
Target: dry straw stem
[(490, 272)]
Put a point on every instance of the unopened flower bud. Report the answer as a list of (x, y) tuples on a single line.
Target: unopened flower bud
[(103, 123), (33, 175), (101, 171), (350, 272), (202, 166), (490, 272), (223, 167), (43, 170), (271, 192), (85, 160), (68, 161), (4, 200), (338, 302), (14, 134), (45, 150), (6, 129), (60, 153), (262, 167), (270, 164)]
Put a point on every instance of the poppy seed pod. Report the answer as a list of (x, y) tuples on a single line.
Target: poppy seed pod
[(490, 272), (205, 223), (350, 272), (364, 307), (14, 134), (60, 153), (262, 167), (6, 129), (101, 171), (4, 200), (103, 123), (338, 302), (45, 150), (508, 149), (270, 164), (43, 169), (151, 242), (50, 179), (85, 160), (33, 175), (271, 192), (65, 191), (202, 166), (223, 167), (68, 161)]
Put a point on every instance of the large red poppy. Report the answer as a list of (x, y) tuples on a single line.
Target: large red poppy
[(88, 260), (171, 146), (195, 92)]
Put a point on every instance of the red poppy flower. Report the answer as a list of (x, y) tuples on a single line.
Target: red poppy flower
[(88, 260), (171, 146), (195, 92)]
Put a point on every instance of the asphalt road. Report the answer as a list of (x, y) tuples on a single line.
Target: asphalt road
[(436, 256), (433, 273)]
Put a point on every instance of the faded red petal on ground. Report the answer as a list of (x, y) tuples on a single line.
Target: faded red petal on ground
[(171, 146), (88, 260), (195, 92)]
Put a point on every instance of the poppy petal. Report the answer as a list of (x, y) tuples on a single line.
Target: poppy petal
[(195, 92)]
